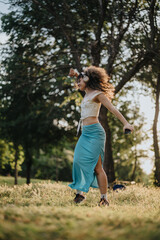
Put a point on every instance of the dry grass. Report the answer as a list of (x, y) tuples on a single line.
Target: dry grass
[(46, 211)]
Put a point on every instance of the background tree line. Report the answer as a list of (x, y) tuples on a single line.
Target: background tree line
[(39, 106)]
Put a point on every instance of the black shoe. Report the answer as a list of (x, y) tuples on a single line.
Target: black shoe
[(103, 202), (79, 198)]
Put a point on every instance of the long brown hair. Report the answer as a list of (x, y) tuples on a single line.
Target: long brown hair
[(98, 80)]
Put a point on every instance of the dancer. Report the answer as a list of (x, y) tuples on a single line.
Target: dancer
[(89, 151)]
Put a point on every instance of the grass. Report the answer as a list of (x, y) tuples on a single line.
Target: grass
[(45, 210), (9, 181)]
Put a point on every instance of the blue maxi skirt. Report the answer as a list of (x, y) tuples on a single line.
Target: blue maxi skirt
[(87, 151)]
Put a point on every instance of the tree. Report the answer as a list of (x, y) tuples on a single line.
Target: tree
[(155, 135), (9, 157), (151, 77), (55, 162), (104, 33), (152, 81), (126, 150), (25, 105)]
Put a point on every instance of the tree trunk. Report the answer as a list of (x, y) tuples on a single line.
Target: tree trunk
[(57, 170), (28, 164), (135, 165), (155, 137), (15, 168), (108, 158), (95, 52)]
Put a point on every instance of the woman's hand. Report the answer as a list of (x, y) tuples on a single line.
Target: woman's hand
[(73, 73), (128, 126)]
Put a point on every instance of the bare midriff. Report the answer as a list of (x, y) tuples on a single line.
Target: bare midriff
[(90, 120)]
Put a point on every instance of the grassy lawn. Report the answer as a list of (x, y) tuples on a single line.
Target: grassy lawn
[(45, 210), (9, 181)]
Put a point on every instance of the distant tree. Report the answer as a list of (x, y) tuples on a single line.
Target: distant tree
[(126, 151), (152, 81), (151, 77), (54, 163), (26, 104), (9, 157), (155, 133)]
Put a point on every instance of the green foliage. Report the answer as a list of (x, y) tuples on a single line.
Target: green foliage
[(7, 156), (55, 164), (46, 38), (28, 89), (6, 153), (126, 151), (20, 159)]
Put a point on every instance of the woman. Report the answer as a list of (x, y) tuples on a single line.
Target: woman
[(89, 151)]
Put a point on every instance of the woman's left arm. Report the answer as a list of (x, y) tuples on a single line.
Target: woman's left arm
[(104, 100)]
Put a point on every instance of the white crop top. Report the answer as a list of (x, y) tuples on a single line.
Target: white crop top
[(89, 108)]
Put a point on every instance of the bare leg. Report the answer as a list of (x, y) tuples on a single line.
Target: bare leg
[(101, 177)]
